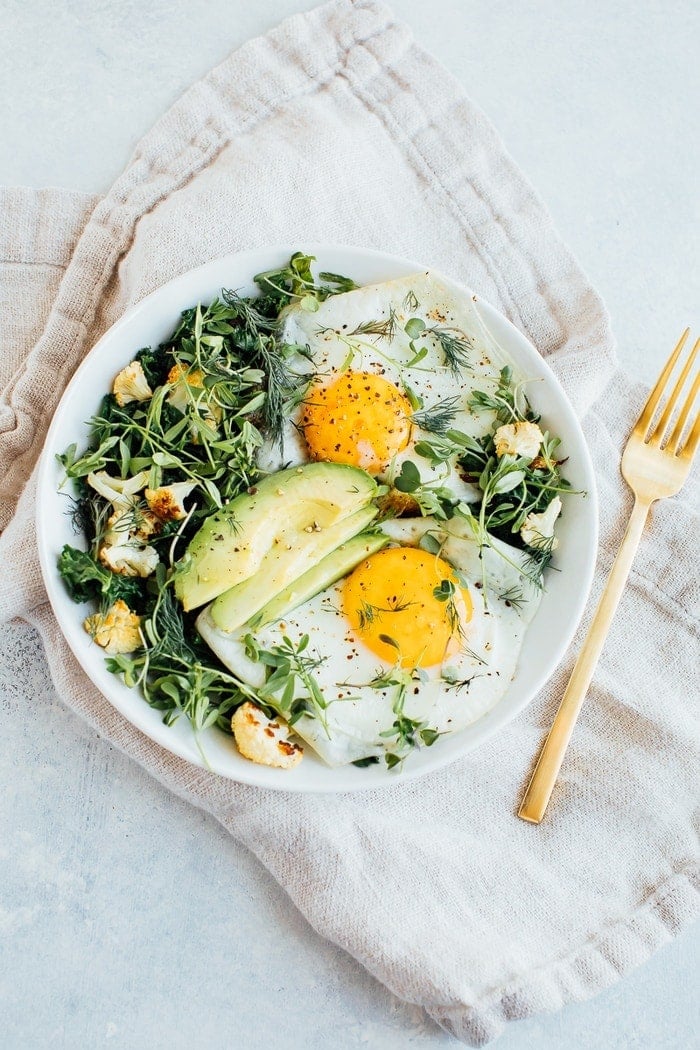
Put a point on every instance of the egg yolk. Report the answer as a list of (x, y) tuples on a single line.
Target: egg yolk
[(397, 594), (357, 418)]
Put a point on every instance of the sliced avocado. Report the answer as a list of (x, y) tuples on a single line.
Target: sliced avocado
[(281, 512), (280, 568), (325, 573)]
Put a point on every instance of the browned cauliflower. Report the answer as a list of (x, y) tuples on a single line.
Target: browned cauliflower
[(116, 630), (131, 385), (167, 502), (129, 558), (518, 439), (538, 529), (264, 740), (397, 504), (187, 389)]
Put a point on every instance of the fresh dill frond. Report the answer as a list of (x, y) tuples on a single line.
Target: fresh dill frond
[(385, 329), (247, 311), (280, 384), (456, 347), (410, 301), (368, 613), (513, 596), (539, 559), (438, 418)]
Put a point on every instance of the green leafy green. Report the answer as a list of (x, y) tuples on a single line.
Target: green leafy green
[(433, 498), (176, 673), (296, 283), (221, 383), (290, 689), (86, 580)]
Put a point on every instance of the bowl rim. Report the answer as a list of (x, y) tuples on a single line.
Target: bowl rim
[(172, 738)]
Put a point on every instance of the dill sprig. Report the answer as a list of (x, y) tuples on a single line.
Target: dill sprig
[(513, 596), (385, 329), (456, 346), (368, 613), (438, 418), (410, 301)]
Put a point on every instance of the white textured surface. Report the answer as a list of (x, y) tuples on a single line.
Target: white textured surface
[(127, 918)]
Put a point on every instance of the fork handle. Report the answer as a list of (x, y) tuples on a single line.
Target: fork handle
[(539, 790)]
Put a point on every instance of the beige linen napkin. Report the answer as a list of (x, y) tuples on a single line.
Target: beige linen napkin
[(337, 127)]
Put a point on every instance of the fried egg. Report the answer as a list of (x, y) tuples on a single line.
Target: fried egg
[(404, 609), (377, 361)]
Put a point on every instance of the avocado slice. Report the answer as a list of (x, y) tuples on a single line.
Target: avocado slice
[(326, 572), (283, 512), (280, 568)]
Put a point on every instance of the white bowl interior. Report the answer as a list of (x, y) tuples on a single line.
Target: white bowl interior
[(152, 321)]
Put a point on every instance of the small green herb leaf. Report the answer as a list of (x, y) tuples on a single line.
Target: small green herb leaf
[(409, 478)]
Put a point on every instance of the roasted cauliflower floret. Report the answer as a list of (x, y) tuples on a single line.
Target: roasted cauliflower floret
[(538, 529), (117, 630), (264, 740), (167, 502), (518, 439), (129, 559), (131, 385), (137, 525), (187, 389), (184, 382), (120, 492)]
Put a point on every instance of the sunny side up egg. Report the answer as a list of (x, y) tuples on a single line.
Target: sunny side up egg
[(409, 633), (374, 383), (460, 670)]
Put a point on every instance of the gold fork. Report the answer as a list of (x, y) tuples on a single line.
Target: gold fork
[(655, 464)]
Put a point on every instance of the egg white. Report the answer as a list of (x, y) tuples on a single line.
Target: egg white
[(358, 714), (327, 334)]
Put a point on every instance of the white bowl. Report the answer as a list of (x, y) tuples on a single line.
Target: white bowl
[(151, 322)]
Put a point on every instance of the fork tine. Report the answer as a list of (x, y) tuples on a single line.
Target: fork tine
[(691, 445), (675, 437), (660, 428), (655, 396)]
